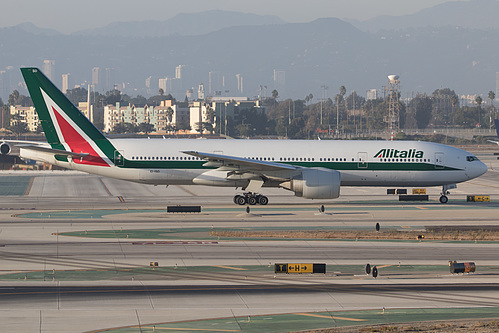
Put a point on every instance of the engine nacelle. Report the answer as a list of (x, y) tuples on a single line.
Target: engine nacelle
[(316, 183), (4, 148)]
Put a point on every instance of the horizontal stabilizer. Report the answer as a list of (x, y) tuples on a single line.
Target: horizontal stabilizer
[(52, 151)]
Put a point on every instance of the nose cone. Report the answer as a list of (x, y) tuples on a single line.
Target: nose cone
[(478, 169), (483, 169)]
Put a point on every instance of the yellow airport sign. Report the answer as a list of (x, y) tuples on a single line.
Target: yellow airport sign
[(418, 191), (478, 198), (299, 268)]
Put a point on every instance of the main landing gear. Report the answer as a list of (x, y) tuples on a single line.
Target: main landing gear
[(251, 199)]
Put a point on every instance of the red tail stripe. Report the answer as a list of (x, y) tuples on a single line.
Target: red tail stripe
[(77, 143)]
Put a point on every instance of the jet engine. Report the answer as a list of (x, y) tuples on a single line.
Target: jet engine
[(4, 148), (315, 183)]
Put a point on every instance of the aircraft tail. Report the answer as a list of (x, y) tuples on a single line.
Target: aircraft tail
[(65, 127)]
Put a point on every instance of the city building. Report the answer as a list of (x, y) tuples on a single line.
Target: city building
[(280, 81), (48, 69), (215, 83), (240, 87), (165, 118), (96, 80), (29, 116), (178, 71), (163, 84), (201, 92), (372, 94), (26, 115), (225, 108), (109, 79), (65, 82), (82, 106)]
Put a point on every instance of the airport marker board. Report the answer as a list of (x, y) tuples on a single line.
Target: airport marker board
[(300, 268)]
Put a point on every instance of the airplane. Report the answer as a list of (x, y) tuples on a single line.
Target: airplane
[(496, 123), (312, 169)]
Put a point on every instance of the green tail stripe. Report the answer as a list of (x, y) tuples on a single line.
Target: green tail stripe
[(36, 80)]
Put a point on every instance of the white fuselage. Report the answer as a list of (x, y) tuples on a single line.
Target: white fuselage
[(361, 163)]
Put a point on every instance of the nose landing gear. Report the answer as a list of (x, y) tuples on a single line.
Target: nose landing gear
[(443, 196), (251, 199)]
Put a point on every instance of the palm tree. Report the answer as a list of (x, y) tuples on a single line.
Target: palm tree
[(169, 114), (478, 101), (275, 94), (492, 96), (453, 102), (343, 91)]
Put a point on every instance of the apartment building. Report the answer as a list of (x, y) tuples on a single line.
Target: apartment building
[(26, 115)]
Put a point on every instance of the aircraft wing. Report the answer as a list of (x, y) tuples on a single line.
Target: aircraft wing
[(239, 163), (52, 151)]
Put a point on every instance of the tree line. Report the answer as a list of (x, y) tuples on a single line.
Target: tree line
[(301, 118)]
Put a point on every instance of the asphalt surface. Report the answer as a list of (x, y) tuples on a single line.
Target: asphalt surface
[(53, 282)]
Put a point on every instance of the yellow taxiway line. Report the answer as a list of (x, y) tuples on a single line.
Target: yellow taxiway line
[(328, 317), (229, 267)]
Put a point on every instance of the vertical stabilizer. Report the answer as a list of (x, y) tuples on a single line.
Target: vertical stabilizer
[(65, 127)]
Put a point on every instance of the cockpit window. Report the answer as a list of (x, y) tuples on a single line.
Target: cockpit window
[(471, 158)]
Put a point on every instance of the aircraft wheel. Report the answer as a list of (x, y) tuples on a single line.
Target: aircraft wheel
[(252, 200), (235, 198), (240, 200), (263, 200), (444, 199)]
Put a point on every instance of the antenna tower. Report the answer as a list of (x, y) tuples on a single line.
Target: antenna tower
[(393, 92)]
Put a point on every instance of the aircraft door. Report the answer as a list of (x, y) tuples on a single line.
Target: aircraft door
[(119, 160), (362, 160), (439, 160)]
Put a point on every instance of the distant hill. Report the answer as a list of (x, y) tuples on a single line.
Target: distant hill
[(327, 52), (188, 24), (475, 14), (33, 29)]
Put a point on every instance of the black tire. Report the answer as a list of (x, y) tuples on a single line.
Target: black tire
[(235, 198), (444, 199), (252, 201), (375, 272), (263, 200), (241, 200), (368, 269)]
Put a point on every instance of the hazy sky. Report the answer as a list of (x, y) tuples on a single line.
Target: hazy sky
[(69, 15)]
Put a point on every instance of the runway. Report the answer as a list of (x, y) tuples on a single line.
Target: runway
[(75, 258)]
